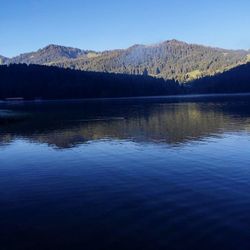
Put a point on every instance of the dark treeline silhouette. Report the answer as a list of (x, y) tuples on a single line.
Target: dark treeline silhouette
[(35, 81), (47, 82), (236, 80)]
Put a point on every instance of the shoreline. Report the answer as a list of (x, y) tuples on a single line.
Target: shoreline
[(185, 96)]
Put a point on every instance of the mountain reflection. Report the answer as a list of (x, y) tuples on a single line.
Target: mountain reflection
[(68, 125)]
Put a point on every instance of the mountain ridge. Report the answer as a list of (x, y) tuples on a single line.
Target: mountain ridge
[(171, 59), (48, 54)]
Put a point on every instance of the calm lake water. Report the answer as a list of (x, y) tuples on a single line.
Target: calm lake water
[(153, 173)]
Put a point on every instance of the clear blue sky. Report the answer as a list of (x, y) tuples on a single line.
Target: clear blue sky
[(26, 25)]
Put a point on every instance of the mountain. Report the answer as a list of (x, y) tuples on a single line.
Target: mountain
[(169, 60), (236, 80), (50, 54)]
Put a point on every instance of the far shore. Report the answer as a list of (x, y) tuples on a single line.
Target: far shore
[(186, 96)]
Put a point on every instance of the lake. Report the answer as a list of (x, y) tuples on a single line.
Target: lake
[(143, 173)]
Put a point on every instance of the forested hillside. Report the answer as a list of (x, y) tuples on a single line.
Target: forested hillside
[(169, 60), (236, 80)]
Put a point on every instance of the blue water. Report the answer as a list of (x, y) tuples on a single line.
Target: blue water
[(154, 173)]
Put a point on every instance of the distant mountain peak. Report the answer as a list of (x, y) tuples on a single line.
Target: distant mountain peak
[(56, 46), (52, 46), (51, 53), (175, 41), (169, 42)]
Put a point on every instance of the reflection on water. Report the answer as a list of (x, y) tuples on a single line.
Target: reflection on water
[(67, 125), (154, 173)]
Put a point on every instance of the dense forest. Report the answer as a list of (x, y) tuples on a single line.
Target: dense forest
[(36, 81), (169, 60), (236, 80), (47, 82)]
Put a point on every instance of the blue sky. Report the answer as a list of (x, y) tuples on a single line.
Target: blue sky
[(26, 25)]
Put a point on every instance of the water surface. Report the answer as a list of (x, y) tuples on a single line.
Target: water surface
[(153, 173)]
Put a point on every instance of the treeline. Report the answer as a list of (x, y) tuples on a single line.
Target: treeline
[(236, 80), (35, 81), (47, 82)]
